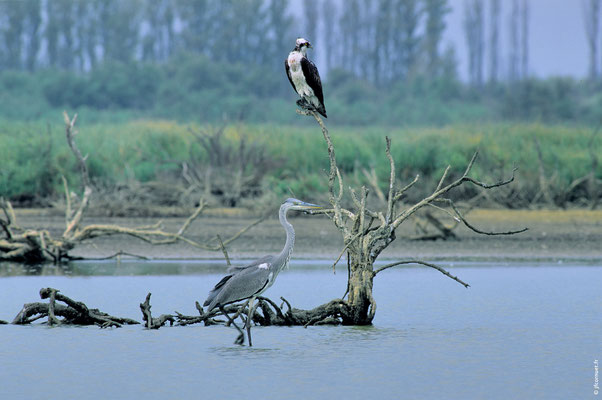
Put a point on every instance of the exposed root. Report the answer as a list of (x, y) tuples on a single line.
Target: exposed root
[(268, 313), (154, 323), (72, 313)]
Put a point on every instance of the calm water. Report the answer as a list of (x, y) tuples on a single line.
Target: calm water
[(520, 331)]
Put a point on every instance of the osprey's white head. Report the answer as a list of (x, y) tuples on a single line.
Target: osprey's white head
[(302, 45)]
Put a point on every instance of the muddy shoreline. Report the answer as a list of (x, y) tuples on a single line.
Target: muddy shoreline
[(556, 236)]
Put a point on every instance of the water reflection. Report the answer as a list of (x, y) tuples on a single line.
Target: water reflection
[(135, 267), (19, 269), (112, 268)]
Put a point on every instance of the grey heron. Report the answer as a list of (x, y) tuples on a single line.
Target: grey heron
[(250, 281)]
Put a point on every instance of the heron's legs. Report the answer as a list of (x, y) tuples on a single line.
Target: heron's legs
[(249, 319), (241, 337)]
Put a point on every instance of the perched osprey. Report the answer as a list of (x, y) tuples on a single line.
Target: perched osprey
[(305, 78)]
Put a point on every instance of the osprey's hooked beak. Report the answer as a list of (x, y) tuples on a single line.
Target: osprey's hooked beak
[(309, 46)]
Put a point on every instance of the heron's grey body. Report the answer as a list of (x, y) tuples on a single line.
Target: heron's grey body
[(251, 280)]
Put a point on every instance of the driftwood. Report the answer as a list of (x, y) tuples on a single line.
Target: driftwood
[(38, 245), (72, 312), (149, 321)]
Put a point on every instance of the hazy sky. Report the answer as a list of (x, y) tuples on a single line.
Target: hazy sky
[(557, 41)]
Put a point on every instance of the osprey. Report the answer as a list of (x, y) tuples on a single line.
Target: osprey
[(304, 76)]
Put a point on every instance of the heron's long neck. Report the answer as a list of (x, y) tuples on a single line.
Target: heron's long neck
[(286, 252)]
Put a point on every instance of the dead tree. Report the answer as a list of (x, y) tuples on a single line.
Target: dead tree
[(366, 233), (38, 245)]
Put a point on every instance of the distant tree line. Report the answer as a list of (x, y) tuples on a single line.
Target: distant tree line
[(381, 41), (381, 60), (80, 34)]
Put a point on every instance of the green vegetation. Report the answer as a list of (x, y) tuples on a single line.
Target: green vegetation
[(193, 88), (35, 155), (128, 68)]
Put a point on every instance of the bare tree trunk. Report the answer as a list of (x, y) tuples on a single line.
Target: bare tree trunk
[(591, 13), (360, 299), (494, 42), (513, 70), (524, 40), (474, 31)]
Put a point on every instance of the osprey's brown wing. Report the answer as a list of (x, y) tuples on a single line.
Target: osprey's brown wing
[(312, 77)]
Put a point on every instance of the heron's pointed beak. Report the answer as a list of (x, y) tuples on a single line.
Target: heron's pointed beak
[(308, 207), (311, 206)]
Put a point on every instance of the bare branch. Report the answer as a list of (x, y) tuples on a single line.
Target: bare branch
[(390, 200), (471, 227), (443, 178), (70, 131), (335, 200), (426, 264), (221, 245), (405, 189), (67, 201), (493, 185), (194, 216), (373, 181), (344, 249), (438, 193)]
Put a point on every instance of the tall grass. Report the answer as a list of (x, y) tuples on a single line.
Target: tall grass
[(34, 155)]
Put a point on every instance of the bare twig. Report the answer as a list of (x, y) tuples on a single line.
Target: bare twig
[(70, 131), (473, 228), (221, 245), (373, 181), (390, 197), (438, 268)]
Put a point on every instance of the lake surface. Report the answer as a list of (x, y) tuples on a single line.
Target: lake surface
[(520, 331)]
